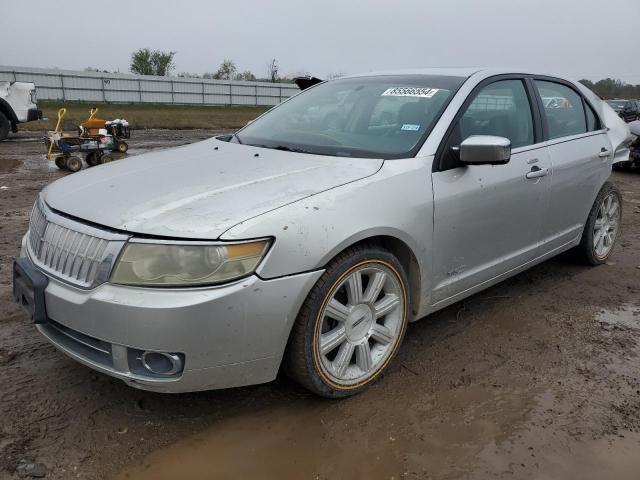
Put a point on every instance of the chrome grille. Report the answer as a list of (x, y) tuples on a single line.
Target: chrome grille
[(72, 251)]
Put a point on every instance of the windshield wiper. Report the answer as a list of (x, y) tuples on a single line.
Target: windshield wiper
[(290, 149), (284, 148)]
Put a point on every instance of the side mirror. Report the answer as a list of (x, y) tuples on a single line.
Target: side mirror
[(485, 150)]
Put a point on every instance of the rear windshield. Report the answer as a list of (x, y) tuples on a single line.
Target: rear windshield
[(377, 117)]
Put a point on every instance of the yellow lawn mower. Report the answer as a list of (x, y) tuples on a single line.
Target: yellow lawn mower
[(67, 149)]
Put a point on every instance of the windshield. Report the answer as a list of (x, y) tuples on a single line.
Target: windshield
[(617, 104), (376, 117)]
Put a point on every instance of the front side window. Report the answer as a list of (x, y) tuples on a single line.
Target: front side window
[(500, 109), (375, 117), (563, 109)]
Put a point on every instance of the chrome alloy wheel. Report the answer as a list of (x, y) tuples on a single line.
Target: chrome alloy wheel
[(361, 324), (605, 227)]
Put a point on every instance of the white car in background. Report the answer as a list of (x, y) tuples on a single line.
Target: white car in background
[(18, 104)]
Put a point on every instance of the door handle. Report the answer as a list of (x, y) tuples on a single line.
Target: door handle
[(604, 153), (537, 172)]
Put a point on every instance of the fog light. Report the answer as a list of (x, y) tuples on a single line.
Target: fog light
[(160, 363)]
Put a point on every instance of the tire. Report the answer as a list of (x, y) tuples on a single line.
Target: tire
[(122, 146), (5, 126), (106, 158), (74, 163), (605, 217), (373, 321), (61, 163), (92, 159)]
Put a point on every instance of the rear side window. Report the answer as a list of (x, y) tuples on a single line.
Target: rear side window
[(563, 109)]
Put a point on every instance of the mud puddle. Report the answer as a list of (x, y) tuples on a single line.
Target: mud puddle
[(624, 316), (607, 458), (8, 165), (314, 439)]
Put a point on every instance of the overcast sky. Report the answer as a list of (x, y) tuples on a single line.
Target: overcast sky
[(582, 38)]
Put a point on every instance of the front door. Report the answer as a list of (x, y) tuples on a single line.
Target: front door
[(488, 218)]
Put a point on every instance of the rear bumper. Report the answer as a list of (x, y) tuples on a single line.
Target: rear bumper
[(227, 336)]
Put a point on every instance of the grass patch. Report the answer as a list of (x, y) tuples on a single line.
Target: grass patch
[(142, 116)]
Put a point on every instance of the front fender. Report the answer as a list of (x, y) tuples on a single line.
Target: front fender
[(395, 202)]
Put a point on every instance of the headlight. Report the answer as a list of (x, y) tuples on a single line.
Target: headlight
[(181, 265)]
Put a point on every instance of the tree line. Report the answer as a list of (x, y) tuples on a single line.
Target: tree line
[(156, 62), (610, 88)]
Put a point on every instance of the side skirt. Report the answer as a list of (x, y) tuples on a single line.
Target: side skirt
[(503, 276)]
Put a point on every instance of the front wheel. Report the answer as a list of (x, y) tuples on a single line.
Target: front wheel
[(74, 163), (351, 324), (5, 126), (122, 146), (603, 225)]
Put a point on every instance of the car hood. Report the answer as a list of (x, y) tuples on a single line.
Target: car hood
[(200, 190)]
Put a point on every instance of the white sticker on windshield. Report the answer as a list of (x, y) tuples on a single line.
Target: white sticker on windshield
[(410, 92), (410, 127)]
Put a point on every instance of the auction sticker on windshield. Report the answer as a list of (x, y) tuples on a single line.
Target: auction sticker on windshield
[(410, 92)]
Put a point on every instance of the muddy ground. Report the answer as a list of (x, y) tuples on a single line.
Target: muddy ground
[(538, 377)]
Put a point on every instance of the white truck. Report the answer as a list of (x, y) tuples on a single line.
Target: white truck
[(17, 105)]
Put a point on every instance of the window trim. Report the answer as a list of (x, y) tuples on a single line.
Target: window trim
[(585, 103), (587, 106), (538, 132)]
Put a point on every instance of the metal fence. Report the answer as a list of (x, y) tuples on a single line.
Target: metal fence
[(68, 85)]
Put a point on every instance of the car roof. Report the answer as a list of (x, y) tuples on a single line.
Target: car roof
[(445, 71), (462, 71)]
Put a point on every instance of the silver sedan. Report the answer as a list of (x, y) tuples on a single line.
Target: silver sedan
[(310, 238)]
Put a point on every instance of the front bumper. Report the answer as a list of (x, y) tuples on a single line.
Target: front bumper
[(229, 336)]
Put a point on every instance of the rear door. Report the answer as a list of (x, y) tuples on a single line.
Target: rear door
[(488, 218), (581, 155)]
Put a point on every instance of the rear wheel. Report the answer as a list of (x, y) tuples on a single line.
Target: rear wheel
[(351, 324), (92, 159), (603, 226), (61, 163), (5, 126), (106, 158)]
